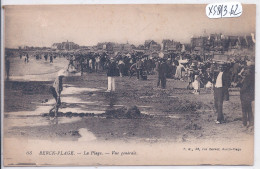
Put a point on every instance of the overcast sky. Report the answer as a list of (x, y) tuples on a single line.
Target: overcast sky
[(90, 24)]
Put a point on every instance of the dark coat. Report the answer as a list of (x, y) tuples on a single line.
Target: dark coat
[(226, 79), (209, 77), (247, 91), (112, 69), (139, 64), (163, 69), (235, 68)]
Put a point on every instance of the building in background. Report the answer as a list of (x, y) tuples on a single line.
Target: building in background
[(152, 45), (65, 46)]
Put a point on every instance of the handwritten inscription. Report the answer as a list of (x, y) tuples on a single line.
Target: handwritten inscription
[(224, 10)]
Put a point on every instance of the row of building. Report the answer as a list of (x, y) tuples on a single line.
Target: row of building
[(201, 44), (65, 46), (60, 46), (222, 43)]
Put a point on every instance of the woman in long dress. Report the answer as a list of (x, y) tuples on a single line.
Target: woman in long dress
[(178, 74)]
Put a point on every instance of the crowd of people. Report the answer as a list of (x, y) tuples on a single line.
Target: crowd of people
[(214, 76)]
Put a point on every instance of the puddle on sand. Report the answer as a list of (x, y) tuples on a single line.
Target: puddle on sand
[(43, 77), (76, 90), (144, 106), (38, 121), (35, 70), (51, 101), (34, 118), (69, 100), (174, 116), (63, 120), (79, 110), (86, 135), (40, 110), (148, 113), (76, 100), (116, 105)]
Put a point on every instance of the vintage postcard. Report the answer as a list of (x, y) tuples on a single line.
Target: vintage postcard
[(102, 85)]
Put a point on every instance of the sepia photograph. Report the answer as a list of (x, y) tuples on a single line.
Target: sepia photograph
[(128, 84)]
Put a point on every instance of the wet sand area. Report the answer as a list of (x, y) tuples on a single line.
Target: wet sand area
[(137, 111)]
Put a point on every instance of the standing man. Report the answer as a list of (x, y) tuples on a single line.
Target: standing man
[(97, 63), (235, 71), (81, 61), (139, 67), (247, 93), (227, 82), (27, 57), (51, 59), (112, 72), (219, 89), (121, 66), (46, 56), (90, 64), (162, 71), (7, 68), (179, 69)]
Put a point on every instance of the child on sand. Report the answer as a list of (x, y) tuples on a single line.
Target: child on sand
[(56, 89), (196, 85)]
